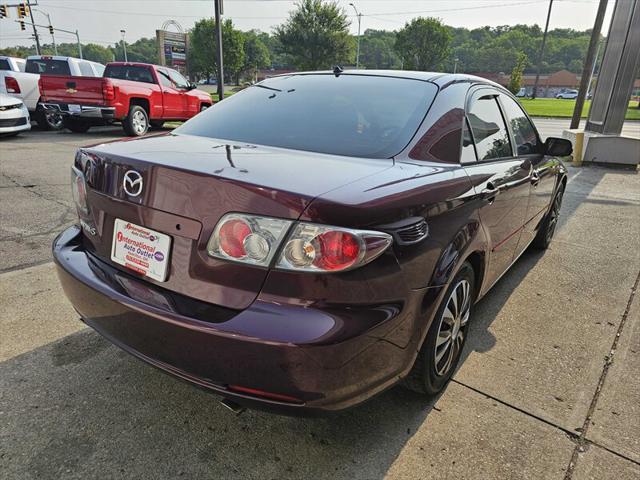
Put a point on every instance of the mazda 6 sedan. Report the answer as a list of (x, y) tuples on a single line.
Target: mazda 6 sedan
[(314, 239)]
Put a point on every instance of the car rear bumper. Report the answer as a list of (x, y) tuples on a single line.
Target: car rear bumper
[(306, 360), (90, 112)]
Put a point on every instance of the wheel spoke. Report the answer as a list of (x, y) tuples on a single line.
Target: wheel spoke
[(442, 350), (454, 300), (443, 337), (448, 316)]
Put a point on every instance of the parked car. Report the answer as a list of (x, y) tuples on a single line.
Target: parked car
[(313, 239), (14, 116), (12, 64), (138, 95), (21, 81), (522, 93), (568, 94)]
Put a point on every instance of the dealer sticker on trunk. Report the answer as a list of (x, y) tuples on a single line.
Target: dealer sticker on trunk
[(141, 249)]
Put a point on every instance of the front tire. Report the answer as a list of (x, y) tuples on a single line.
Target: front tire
[(442, 347), (548, 228), (136, 123)]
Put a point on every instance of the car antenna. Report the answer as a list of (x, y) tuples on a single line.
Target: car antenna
[(337, 70)]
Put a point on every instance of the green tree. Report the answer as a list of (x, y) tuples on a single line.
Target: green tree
[(202, 51), (377, 50), (515, 82), (316, 35), (423, 44), (256, 54)]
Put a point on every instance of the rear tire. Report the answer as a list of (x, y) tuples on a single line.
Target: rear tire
[(136, 122), (76, 125), (440, 353), (547, 229), (47, 120)]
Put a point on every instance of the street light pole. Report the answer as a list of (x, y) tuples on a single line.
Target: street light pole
[(124, 45), (359, 16), (79, 44), (455, 65), (541, 54)]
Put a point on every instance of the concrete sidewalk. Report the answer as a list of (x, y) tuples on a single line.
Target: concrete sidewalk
[(548, 389)]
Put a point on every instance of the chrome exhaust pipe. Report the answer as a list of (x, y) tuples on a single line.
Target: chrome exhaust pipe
[(233, 406)]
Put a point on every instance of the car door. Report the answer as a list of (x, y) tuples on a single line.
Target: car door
[(529, 146), (182, 84), (501, 179), (171, 95)]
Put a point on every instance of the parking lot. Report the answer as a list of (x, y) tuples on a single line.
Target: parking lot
[(548, 387)]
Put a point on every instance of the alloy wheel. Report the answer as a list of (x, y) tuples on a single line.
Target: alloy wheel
[(54, 120), (139, 122), (452, 329)]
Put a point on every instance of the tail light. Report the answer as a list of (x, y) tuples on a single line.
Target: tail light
[(11, 84), (79, 190), (108, 90), (308, 247)]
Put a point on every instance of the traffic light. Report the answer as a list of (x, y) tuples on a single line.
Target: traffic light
[(23, 10), (51, 29), (22, 27), (3, 11)]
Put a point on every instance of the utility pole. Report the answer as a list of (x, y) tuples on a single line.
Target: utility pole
[(359, 16), (124, 45), (53, 37), (541, 55), (35, 30), (220, 73), (589, 64), (455, 65)]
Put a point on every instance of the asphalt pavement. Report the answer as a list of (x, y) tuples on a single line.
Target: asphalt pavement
[(548, 387)]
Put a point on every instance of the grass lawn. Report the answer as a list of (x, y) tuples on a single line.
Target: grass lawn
[(559, 108)]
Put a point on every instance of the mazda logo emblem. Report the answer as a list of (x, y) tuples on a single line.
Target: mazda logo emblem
[(132, 183)]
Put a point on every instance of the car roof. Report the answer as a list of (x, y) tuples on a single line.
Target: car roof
[(439, 78), (135, 64)]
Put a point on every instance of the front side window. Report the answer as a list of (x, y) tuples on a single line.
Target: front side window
[(523, 131), (489, 130), (178, 79), (163, 76), (353, 115)]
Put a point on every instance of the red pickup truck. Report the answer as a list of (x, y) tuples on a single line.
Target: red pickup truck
[(139, 95)]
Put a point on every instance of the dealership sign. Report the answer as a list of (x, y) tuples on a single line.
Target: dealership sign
[(172, 50)]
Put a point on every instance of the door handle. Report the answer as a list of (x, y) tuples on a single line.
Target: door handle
[(489, 192), (535, 179)]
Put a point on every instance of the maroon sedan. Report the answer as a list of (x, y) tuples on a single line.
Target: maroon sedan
[(314, 239)]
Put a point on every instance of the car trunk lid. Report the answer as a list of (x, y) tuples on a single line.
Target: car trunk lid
[(189, 183)]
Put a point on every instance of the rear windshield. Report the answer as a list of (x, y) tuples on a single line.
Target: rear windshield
[(354, 115), (48, 66), (4, 64), (128, 72)]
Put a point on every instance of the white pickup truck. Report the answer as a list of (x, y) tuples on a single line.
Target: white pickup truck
[(19, 78)]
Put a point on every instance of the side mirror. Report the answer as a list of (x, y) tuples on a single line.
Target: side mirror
[(191, 86), (558, 147)]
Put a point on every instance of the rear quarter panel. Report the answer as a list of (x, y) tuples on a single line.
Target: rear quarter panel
[(29, 91)]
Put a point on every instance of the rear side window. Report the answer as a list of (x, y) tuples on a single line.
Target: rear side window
[(128, 72), (523, 131), (48, 66), (354, 115), (85, 69), (488, 128), (4, 64)]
